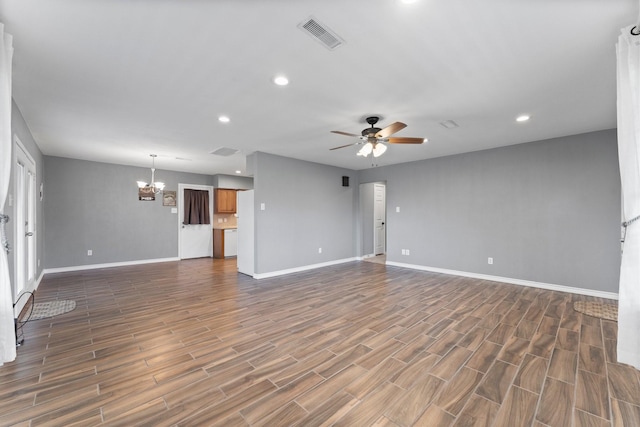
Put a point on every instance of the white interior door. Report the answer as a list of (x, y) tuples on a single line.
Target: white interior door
[(246, 256), (25, 223), (194, 240), (379, 219)]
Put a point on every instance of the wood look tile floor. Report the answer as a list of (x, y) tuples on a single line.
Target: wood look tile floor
[(194, 343)]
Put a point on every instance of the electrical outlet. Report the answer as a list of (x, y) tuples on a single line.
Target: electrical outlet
[(397, 208), (490, 261), (319, 250), (408, 253), (89, 252)]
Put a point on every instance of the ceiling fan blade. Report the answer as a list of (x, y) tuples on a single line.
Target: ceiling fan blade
[(339, 132), (405, 140), (342, 146), (390, 130)]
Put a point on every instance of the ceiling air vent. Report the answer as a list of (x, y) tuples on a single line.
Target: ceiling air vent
[(321, 33), (449, 124), (224, 151)]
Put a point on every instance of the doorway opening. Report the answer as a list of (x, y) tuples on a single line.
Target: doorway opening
[(373, 219)]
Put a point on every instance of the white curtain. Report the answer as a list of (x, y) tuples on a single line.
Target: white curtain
[(7, 331), (628, 52)]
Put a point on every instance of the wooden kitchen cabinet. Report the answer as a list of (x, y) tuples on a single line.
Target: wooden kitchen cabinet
[(224, 201), (225, 242), (218, 243)]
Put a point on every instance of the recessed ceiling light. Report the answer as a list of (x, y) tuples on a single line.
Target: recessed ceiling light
[(408, 1), (238, 171), (281, 80), (523, 118), (224, 119)]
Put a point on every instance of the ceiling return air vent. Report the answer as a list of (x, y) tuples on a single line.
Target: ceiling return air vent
[(449, 124), (224, 152), (321, 33)]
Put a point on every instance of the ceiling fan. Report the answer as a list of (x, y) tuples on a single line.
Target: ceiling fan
[(373, 137)]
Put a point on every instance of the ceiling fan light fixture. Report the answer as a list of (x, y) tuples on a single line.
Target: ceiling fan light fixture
[(379, 150), (374, 137), (366, 150)]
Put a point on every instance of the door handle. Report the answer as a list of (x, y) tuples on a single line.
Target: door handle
[(29, 234)]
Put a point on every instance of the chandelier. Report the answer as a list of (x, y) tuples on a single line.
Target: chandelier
[(153, 187), (376, 148)]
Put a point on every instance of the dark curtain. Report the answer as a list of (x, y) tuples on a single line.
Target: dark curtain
[(196, 207)]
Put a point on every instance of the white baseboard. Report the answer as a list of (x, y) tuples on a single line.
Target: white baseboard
[(107, 265), (39, 280), (303, 268), (547, 286), (520, 282)]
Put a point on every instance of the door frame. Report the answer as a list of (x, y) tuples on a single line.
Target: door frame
[(26, 253), (384, 223), (367, 227), (180, 196)]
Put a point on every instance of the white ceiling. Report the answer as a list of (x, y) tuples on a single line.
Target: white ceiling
[(116, 80)]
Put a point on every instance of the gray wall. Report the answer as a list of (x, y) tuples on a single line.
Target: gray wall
[(91, 205), (546, 211), (20, 129), (306, 208), (230, 181)]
